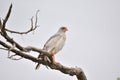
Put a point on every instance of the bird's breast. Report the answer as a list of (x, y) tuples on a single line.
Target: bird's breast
[(59, 45)]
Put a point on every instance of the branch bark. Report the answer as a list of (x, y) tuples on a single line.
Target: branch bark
[(21, 51)]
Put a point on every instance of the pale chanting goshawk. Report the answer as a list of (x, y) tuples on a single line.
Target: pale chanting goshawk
[(54, 44)]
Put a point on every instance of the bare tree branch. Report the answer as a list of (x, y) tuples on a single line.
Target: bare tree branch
[(12, 57), (4, 49), (0, 25), (9, 39), (33, 26), (36, 18), (21, 51), (66, 70), (13, 46), (4, 33), (7, 16)]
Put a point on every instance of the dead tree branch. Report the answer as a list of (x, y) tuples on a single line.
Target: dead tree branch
[(33, 26), (7, 16), (21, 51)]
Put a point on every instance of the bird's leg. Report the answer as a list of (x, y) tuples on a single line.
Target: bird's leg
[(54, 61)]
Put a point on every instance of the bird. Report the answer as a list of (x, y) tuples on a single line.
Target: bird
[(54, 44)]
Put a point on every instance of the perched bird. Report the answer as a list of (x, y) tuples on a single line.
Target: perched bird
[(54, 44)]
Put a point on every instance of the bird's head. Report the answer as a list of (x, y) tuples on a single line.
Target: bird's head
[(64, 29)]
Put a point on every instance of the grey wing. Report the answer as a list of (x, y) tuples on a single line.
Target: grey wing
[(50, 44)]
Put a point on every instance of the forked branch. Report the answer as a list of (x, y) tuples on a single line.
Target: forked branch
[(32, 28), (21, 51)]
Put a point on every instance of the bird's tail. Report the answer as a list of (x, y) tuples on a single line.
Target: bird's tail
[(37, 66), (43, 57)]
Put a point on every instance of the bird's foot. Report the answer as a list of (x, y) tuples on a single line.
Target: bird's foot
[(56, 62)]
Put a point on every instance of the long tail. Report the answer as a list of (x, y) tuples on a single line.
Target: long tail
[(45, 58), (37, 66)]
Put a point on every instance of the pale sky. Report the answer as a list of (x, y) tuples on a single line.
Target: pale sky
[(93, 39)]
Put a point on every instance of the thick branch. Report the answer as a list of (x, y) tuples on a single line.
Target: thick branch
[(66, 70), (20, 53), (30, 48), (10, 40)]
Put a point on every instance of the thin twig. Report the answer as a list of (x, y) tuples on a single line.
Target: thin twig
[(17, 58), (33, 26), (7, 16), (0, 25), (36, 18), (4, 49), (13, 46), (12, 57)]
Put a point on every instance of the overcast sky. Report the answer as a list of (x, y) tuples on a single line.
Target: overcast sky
[(93, 39)]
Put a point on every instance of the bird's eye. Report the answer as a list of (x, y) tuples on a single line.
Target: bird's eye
[(63, 28)]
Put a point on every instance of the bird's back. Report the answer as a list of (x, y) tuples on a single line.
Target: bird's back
[(56, 43)]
